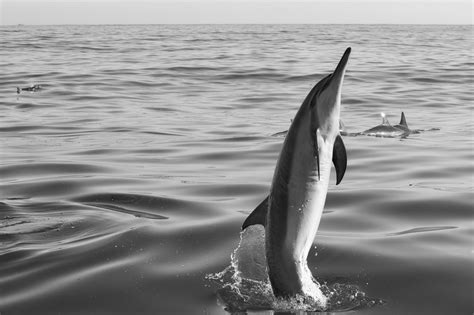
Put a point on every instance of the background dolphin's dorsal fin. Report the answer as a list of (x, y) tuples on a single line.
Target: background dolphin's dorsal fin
[(258, 216), (403, 121)]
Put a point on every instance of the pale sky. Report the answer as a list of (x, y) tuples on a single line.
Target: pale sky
[(40, 12)]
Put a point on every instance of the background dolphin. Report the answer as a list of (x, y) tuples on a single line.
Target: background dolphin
[(385, 129), (292, 212)]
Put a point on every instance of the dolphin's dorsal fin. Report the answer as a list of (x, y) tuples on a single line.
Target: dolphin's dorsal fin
[(403, 121), (258, 216), (339, 158)]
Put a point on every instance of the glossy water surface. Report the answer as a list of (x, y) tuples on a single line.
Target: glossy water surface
[(126, 178)]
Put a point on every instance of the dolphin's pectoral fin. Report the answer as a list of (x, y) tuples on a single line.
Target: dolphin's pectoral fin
[(339, 158), (258, 216)]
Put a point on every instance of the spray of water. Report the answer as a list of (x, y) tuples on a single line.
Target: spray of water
[(244, 284)]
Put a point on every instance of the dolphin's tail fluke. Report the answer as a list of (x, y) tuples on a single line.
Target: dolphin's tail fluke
[(403, 121)]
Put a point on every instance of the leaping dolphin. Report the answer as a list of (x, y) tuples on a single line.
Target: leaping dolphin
[(292, 211)]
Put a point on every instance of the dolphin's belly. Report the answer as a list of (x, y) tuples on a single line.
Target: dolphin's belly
[(294, 228), (303, 220)]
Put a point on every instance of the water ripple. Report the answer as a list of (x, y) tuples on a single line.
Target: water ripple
[(126, 179)]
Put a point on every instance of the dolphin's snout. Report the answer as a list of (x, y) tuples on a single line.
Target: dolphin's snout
[(340, 70)]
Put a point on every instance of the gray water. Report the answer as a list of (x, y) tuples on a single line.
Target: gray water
[(124, 181)]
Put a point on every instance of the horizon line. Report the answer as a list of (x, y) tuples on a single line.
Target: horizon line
[(262, 23)]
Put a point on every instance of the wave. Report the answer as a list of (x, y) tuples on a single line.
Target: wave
[(130, 174)]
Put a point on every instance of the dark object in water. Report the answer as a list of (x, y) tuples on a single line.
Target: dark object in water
[(32, 88)]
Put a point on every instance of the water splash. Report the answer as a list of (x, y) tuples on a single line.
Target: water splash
[(244, 284)]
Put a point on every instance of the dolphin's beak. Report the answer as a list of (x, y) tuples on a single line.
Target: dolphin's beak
[(329, 96), (338, 74)]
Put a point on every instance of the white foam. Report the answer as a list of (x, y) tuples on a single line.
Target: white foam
[(250, 263), (245, 283)]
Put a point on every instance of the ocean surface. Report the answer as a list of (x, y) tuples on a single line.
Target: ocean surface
[(125, 179)]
